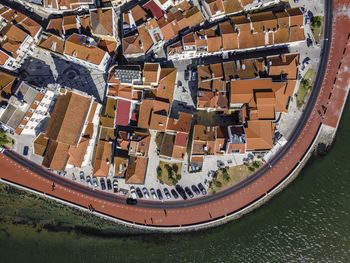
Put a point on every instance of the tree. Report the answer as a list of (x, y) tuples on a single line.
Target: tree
[(4, 140), (178, 177), (175, 168), (317, 21), (225, 175), (218, 184)]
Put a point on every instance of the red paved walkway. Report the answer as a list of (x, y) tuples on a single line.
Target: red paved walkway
[(332, 96)]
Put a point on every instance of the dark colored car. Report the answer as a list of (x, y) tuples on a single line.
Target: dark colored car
[(159, 194), (167, 193), (131, 201), (138, 192), (181, 191), (201, 187), (187, 75), (189, 192), (88, 180), (195, 189), (82, 176), (103, 184), (109, 184), (25, 150), (175, 195)]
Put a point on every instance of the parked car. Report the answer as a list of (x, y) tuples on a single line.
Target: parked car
[(159, 193), (187, 75), (175, 195), (194, 76), (88, 180), (181, 192), (132, 192), (94, 181), (82, 176), (109, 184), (167, 193), (145, 192), (115, 186), (131, 201), (138, 192), (153, 193), (201, 187), (195, 189), (103, 184), (25, 150), (189, 192)]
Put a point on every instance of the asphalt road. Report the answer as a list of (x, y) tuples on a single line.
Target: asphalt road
[(193, 202)]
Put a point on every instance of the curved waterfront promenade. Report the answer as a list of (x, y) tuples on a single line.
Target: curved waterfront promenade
[(324, 107)]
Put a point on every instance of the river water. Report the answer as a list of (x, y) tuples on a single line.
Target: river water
[(307, 222)]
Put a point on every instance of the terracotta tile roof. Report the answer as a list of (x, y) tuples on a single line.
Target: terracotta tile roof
[(151, 72), (55, 26), (214, 44), (232, 6), (159, 117), (69, 24), (138, 13), (285, 64), (296, 17), (145, 114), (296, 34), (56, 155), (182, 124), (281, 36), (132, 45), (166, 85), (263, 21), (259, 135), (108, 46), (13, 37), (52, 43), (3, 57), (76, 47), (102, 21), (7, 83), (145, 38), (29, 26), (215, 6), (136, 171), (77, 153), (40, 144), (68, 117), (193, 16), (249, 40), (120, 166), (282, 19), (102, 161)]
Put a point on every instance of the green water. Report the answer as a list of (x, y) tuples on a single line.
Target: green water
[(308, 222)]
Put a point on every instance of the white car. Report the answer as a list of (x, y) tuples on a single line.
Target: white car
[(145, 192), (133, 192), (153, 193)]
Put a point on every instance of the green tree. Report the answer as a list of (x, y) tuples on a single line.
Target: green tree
[(4, 139), (225, 175), (178, 177), (218, 184)]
